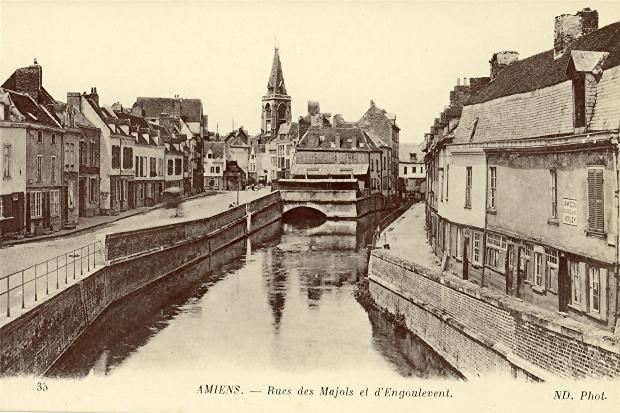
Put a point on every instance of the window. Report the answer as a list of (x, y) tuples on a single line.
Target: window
[(39, 137), (93, 189), (551, 269), (217, 169), (153, 166), (55, 203), (137, 171), (492, 186), (39, 167), (177, 166), (6, 158), (116, 156), (459, 242), (553, 188), (595, 293), (413, 169), (36, 204), (497, 241), (405, 170), (596, 217), (53, 167), (538, 269), (579, 101), (53, 139), (91, 151), (468, 181), (476, 248), (209, 155), (447, 180), (170, 166), (575, 276), (492, 257), (441, 183), (1, 207), (127, 158)]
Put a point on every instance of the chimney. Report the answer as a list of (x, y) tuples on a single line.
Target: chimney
[(313, 107), (372, 103), (353, 140), (500, 60), (337, 139), (29, 80), (75, 99), (93, 95), (570, 27)]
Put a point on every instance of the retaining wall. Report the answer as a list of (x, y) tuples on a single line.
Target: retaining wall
[(480, 331), (32, 342)]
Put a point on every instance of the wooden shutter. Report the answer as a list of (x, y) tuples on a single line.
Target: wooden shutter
[(596, 216), (602, 292)]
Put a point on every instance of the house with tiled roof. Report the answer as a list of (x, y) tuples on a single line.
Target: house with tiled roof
[(149, 159), (189, 118), (214, 165), (411, 173), (30, 138), (383, 124), (35, 148), (522, 192), (339, 153), (116, 155), (81, 162)]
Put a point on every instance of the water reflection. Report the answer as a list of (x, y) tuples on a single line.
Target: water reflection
[(280, 301)]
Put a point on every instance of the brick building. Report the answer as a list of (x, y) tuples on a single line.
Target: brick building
[(522, 194)]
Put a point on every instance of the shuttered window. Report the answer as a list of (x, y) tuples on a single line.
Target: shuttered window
[(596, 215)]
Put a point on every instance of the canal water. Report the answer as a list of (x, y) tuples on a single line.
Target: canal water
[(280, 301)]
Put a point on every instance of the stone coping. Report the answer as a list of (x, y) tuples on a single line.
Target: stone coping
[(516, 307)]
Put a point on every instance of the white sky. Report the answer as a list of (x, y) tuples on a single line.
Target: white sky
[(405, 56)]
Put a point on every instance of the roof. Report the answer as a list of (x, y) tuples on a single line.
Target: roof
[(406, 148), (329, 169), (326, 138), (190, 110), (80, 121), (542, 70), (217, 148), (275, 85), (540, 99), (33, 112), (377, 120), (238, 137)]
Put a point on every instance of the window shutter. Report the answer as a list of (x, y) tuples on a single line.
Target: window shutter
[(596, 216), (598, 187), (603, 294), (583, 278)]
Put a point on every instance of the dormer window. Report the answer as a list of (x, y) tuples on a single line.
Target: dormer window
[(579, 100), (584, 69)]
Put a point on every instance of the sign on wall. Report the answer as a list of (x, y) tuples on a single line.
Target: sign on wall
[(569, 211)]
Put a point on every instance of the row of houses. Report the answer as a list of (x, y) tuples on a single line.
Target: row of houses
[(522, 174), (66, 160), (317, 146)]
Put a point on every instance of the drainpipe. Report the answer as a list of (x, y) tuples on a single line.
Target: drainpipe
[(614, 142)]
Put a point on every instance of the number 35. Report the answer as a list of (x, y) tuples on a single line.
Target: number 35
[(41, 386)]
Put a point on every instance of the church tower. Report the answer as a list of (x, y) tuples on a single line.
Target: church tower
[(276, 103)]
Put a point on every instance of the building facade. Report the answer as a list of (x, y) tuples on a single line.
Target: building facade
[(522, 194), (276, 104)]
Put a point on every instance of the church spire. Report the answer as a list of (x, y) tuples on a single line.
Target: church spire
[(276, 78)]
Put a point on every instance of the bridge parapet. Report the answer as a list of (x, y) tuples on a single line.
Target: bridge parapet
[(327, 196)]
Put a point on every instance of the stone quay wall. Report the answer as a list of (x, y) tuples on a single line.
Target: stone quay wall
[(33, 341), (480, 332)]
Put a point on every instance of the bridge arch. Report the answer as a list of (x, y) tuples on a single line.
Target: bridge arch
[(305, 211)]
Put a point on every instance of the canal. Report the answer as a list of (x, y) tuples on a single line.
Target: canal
[(281, 301)]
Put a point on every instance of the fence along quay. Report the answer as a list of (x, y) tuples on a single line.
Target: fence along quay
[(106, 271)]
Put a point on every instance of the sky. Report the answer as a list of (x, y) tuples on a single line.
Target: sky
[(406, 56)]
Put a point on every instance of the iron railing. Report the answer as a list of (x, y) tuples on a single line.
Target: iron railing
[(33, 280)]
